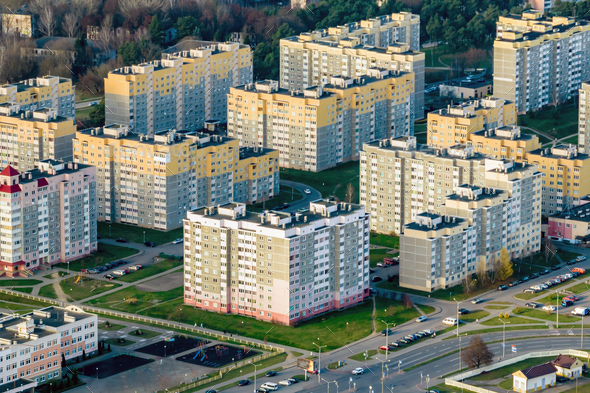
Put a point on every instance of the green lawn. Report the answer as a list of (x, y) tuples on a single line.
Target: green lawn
[(513, 321), (499, 330), (471, 317), (331, 182), (19, 282), (361, 356), (506, 384), (442, 388), (585, 388), (114, 341), (17, 307), (507, 370), (149, 271), (144, 334), (105, 254), (380, 239), (131, 299), (134, 234), (393, 311), (539, 259), (540, 314), (24, 289), (22, 300), (552, 298), (83, 115), (443, 294), (426, 309), (573, 140), (85, 287), (331, 328), (496, 307), (57, 274), (287, 195), (526, 296), (48, 291), (111, 327), (431, 55), (579, 288), (297, 354), (558, 122), (376, 255)]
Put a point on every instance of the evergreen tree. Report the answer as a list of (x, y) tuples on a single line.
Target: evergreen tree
[(185, 26), (63, 361), (97, 115), (155, 29)]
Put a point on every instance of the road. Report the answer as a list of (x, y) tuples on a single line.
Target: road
[(304, 202), (86, 104)]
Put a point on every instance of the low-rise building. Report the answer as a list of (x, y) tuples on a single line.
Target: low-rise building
[(153, 181), (571, 225), (275, 266), (32, 344), (452, 125), (48, 216), (20, 23), (534, 378), (568, 366), (505, 143), (471, 90), (30, 136)]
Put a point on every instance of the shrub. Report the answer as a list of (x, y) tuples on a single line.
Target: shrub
[(506, 315), (501, 314), (517, 310)]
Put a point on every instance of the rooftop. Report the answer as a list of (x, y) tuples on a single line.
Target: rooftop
[(560, 152), (430, 222), (536, 371), (467, 193), (578, 213)]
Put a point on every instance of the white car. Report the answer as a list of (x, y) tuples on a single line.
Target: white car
[(422, 318), (544, 286), (358, 371), (581, 258), (307, 191), (478, 300), (285, 382), (549, 308), (177, 241)]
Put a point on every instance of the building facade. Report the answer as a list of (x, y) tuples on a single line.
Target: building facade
[(572, 224), (504, 143), (32, 344), (31, 136), (322, 126), (471, 90), (275, 266), (584, 119), (564, 170), (452, 125), (23, 24), (181, 91), (311, 59), (45, 92), (48, 216), (539, 61), (153, 182)]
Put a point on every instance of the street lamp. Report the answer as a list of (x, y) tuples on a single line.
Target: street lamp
[(255, 365), (319, 359), (97, 373), (387, 336), (164, 351), (503, 337), (557, 313), (382, 372), (457, 316)]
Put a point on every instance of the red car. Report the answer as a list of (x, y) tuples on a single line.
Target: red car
[(573, 298)]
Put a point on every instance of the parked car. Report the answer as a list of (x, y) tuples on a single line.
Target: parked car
[(135, 267), (180, 240), (548, 283), (119, 272), (307, 191), (244, 382), (529, 290), (567, 303), (210, 391), (534, 275), (513, 284), (419, 334), (536, 287), (526, 278), (395, 344), (109, 277), (422, 318), (571, 262), (371, 271), (83, 270), (502, 288), (549, 308), (293, 380), (121, 240), (477, 300), (544, 286), (380, 264), (556, 267), (579, 270), (559, 378), (544, 271), (463, 311), (573, 298), (372, 291), (581, 311), (262, 390), (358, 371), (149, 244), (376, 279), (531, 305), (403, 341), (387, 332), (427, 332), (581, 258), (92, 271), (101, 268), (285, 382), (271, 373)]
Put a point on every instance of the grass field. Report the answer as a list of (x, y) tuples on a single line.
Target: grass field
[(22, 300), (17, 307), (426, 309), (513, 321), (131, 299), (496, 307), (19, 283), (507, 370), (558, 122), (331, 182), (135, 234), (287, 195), (393, 311), (105, 254), (85, 287), (471, 317), (579, 288), (376, 255), (526, 296), (382, 240), (24, 289), (48, 291), (57, 274), (111, 327), (361, 356), (149, 271), (114, 341), (83, 115), (540, 314), (506, 384)]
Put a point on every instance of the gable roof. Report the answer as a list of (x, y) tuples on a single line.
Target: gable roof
[(9, 171), (536, 371), (564, 361)]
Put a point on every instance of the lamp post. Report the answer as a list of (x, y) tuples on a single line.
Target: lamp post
[(503, 337), (457, 316), (427, 380), (319, 359), (109, 230), (582, 337), (387, 336), (97, 373), (144, 236), (557, 313), (382, 372), (255, 365)]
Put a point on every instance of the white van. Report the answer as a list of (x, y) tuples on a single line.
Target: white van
[(581, 311), (119, 272), (270, 386), (581, 258), (450, 321)]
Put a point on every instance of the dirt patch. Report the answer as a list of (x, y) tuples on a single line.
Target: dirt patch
[(161, 284)]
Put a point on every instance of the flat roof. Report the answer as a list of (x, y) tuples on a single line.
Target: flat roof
[(442, 225), (523, 136)]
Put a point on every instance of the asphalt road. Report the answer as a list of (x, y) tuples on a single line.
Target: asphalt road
[(304, 202), (86, 104)]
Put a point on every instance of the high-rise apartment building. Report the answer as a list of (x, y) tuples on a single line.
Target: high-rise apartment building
[(565, 171), (539, 61), (439, 251), (400, 179), (275, 266), (322, 127), (505, 143), (452, 125), (48, 216), (584, 119), (153, 181), (180, 91), (32, 345), (49, 92), (391, 42), (28, 137)]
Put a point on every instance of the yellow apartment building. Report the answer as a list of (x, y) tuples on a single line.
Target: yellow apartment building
[(507, 142)]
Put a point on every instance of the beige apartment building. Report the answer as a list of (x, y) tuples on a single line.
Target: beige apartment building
[(322, 127), (44, 92), (540, 61), (23, 24), (181, 91), (153, 181), (30, 136), (310, 59), (584, 119), (32, 345), (452, 125), (275, 266), (400, 179), (505, 143)]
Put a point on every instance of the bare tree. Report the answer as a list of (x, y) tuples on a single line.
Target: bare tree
[(548, 250), (350, 193), (82, 8), (71, 24), (482, 273), (47, 21), (407, 302), (468, 284), (129, 7), (477, 353)]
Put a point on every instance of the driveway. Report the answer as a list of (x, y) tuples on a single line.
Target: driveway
[(303, 202)]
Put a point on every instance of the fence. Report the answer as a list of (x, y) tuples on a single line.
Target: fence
[(454, 380)]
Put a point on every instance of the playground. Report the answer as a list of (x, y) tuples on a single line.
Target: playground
[(111, 366), (217, 355), (172, 346)]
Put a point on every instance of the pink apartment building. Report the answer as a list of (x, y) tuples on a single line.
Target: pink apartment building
[(47, 216)]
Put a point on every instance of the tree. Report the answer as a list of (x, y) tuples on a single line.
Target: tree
[(185, 26), (75, 378), (482, 274), (506, 270), (548, 250), (63, 361), (129, 53), (97, 117), (155, 30), (70, 24), (407, 302), (83, 354), (350, 193), (477, 353), (47, 20), (469, 284)]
